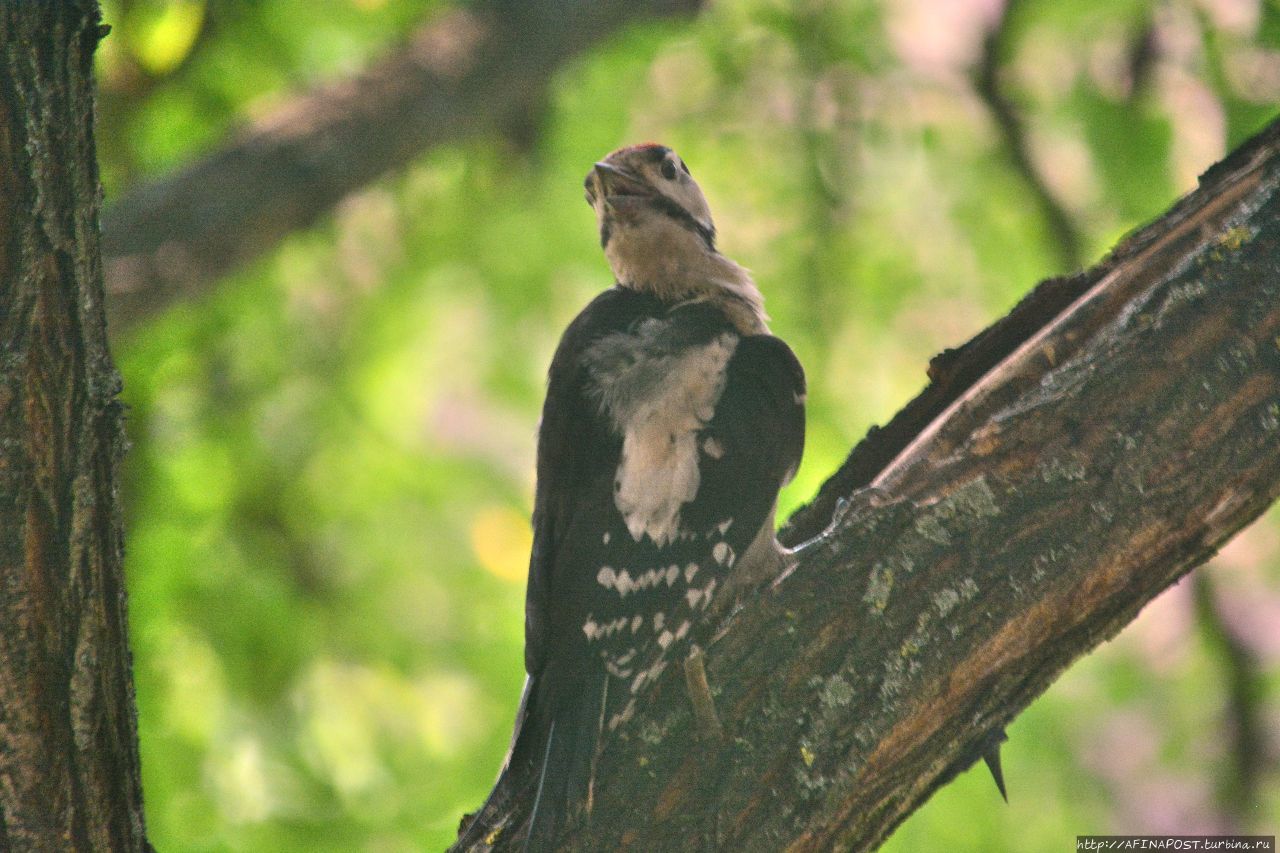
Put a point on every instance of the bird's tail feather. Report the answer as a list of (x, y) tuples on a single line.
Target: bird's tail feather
[(550, 766), (514, 778), (567, 770)]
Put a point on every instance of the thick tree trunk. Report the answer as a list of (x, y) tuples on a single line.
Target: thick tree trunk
[(467, 72), (69, 776), (1062, 469)]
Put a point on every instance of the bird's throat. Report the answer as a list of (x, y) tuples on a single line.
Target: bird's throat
[(674, 264)]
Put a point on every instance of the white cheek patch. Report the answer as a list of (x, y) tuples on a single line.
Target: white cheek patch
[(659, 468)]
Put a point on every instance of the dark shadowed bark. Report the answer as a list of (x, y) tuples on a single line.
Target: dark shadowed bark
[(1061, 470), (69, 777), (470, 71)]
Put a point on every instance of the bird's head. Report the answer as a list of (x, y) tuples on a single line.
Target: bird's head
[(647, 205), (643, 185), (657, 234)]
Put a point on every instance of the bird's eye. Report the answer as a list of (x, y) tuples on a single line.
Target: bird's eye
[(668, 170)]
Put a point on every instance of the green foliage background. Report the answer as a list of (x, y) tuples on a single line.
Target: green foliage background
[(331, 474)]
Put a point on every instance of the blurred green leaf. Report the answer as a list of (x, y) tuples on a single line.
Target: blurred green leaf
[(1130, 145)]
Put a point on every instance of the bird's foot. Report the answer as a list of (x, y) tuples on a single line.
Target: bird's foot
[(858, 503)]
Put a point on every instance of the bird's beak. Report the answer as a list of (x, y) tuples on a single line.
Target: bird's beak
[(616, 182)]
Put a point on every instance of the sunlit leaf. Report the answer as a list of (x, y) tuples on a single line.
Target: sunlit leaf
[(501, 539), (163, 40)]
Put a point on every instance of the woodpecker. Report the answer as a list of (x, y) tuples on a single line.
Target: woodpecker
[(672, 418)]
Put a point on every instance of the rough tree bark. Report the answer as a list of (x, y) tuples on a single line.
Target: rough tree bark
[(1062, 469), (471, 70), (69, 776)]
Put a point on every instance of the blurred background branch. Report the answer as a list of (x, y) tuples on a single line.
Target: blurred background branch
[(991, 82), (468, 71), (1243, 724)]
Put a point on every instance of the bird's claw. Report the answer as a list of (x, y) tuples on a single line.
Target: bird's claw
[(848, 508)]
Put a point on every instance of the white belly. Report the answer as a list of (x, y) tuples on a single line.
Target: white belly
[(658, 472)]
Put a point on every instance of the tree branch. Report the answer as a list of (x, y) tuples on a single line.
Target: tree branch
[(1061, 470), (468, 71), (69, 772)]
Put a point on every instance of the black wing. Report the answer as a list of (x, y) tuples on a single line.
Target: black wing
[(574, 446), (759, 429)]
